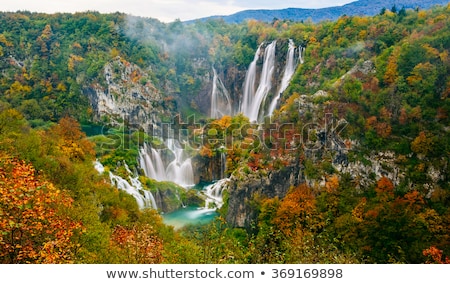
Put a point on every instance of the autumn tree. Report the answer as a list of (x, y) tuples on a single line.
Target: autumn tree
[(137, 244), (72, 141), (423, 144), (395, 227), (296, 211), (391, 69), (34, 223), (435, 255)]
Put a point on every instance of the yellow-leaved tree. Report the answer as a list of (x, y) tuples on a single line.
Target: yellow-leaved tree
[(35, 226)]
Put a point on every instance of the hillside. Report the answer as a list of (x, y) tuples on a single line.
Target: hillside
[(346, 160), (356, 8)]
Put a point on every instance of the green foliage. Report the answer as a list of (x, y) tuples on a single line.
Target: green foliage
[(402, 105)]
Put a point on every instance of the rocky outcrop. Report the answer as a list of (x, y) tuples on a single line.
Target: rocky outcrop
[(125, 96), (359, 70), (168, 198), (244, 189), (377, 165)]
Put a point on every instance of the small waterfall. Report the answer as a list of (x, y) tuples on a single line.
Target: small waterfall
[(213, 193), (252, 102), (179, 170), (289, 70), (223, 164), (301, 50), (99, 167), (144, 198), (220, 98)]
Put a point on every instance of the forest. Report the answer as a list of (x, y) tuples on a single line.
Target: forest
[(386, 76)]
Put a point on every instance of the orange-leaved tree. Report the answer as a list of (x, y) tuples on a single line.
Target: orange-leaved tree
[(296, 211), (35, 226), (72, 140), (435, 256), (137, 244)]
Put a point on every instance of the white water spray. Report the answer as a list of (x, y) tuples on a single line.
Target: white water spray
[(220, 98), (291, 65), (179, 170), (213, 193), (249, 84), (252, 102), (144, 198)]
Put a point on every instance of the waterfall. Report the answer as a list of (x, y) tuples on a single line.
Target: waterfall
[(249, 84), (220, 98), (99, 167), (252, 102), (144, 198), (301, 49), (289, 70), (214, 193), (223, 164), (152, 163), (179, 170)]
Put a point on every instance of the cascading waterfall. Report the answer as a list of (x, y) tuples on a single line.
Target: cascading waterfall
[(213, 193), (179, 170), (144, 198), (99, 167), (252, 102), (220, 98), (152, 163), (289, 70)]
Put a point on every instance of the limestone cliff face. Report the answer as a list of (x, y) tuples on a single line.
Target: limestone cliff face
[(125, 96), (245, 189)]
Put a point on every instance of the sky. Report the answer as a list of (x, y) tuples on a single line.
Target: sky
[(163, 10)]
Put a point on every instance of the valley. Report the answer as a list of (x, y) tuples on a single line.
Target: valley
[(214, 142)]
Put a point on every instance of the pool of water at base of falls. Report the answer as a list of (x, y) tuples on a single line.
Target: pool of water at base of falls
[(189, 215)]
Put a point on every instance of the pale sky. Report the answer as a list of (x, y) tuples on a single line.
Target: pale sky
[(163, 10)]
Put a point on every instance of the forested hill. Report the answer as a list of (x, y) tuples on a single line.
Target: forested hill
[(352, 167), (357, 8)]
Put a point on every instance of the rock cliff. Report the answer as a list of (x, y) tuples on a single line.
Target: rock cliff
[(245, 189), (126, 96)]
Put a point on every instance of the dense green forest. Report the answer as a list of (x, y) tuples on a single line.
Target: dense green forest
[(386, 76)]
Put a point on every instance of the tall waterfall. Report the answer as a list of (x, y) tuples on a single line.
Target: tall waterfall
[(144, 198), (179, 170), (220, 98), (249, 84), (252, 102), (289, 70)]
